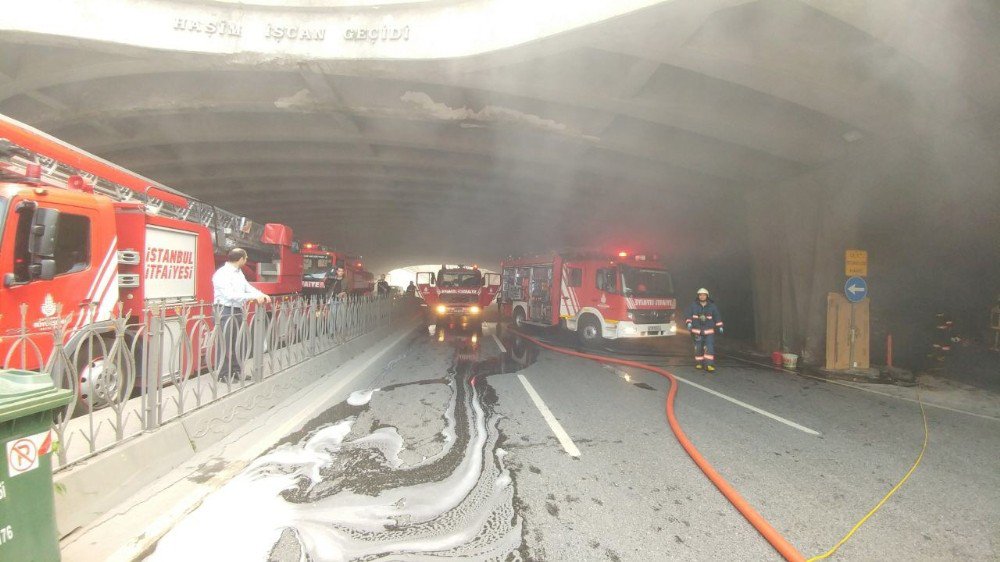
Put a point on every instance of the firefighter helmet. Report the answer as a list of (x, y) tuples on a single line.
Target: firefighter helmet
[(703, 290)]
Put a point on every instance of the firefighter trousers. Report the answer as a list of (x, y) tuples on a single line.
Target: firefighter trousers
[(704, 349)]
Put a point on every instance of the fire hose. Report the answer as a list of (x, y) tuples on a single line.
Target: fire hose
[(780, 544), (784, 548)]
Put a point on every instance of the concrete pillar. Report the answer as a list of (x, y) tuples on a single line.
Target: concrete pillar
[(798, 230)]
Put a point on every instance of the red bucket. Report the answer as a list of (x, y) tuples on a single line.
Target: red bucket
[(776, 358)]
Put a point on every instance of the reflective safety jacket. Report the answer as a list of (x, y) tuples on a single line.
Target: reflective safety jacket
[(703, 319)]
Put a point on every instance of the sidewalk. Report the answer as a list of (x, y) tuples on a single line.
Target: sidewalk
[(130, 530)]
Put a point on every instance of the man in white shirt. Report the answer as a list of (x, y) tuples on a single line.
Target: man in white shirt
[(232, 292)]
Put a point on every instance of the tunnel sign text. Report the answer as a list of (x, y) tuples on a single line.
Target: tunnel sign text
[(856, 263)]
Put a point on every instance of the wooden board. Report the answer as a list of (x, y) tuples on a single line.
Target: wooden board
[(839, 353)]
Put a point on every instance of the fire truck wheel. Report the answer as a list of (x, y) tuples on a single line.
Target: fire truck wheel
[(589, 331), (100, 382), (519, 317)]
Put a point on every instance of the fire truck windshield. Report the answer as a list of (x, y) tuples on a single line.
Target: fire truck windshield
[(315, 264), (460, 279), (646, 282)]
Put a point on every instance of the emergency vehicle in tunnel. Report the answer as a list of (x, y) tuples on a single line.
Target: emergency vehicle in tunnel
[(596, 295), (457, 293), (79, 235), (319, 268)]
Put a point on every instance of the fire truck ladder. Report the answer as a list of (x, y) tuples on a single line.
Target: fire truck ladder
[(229, 230)]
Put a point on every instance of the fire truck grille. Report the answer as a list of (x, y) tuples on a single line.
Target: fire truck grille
[(458, 299), (652, 316)]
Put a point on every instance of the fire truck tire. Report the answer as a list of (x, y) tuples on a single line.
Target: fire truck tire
[(588, 329), (519, 317), (99, 382)]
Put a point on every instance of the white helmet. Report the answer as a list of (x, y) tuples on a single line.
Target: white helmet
[(703, 290)]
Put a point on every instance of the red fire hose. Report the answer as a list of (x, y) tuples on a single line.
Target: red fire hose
[(772, 536)]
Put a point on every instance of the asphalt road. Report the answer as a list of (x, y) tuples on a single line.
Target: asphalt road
[(452, 457)]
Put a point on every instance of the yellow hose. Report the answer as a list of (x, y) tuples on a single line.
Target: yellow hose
[(854, 529)]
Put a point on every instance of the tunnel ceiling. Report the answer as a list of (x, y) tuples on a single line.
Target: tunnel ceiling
[(627, 131)]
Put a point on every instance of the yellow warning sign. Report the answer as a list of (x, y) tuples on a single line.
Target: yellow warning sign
[(856, 263)]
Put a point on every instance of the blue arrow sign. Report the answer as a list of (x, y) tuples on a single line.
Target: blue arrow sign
[(856, 289)]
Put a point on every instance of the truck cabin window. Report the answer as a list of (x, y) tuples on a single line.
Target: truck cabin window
[(315, 264), (642, 282), (464, 279), (606, 280), (72, 245)]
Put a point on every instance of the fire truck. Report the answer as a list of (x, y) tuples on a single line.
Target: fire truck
[(79, 235), (596, 295), (319, 268), (457, 293)]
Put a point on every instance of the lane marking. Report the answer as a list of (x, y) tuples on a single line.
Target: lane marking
[(871, 390), (750, 407), (500, 345), (554, 424)]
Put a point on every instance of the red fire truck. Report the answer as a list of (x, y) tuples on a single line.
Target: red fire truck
[(319, 267), (78, 235), (593, 294), (457, 293)]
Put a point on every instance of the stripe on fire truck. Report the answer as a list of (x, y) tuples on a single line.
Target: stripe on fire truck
[(99, 288)]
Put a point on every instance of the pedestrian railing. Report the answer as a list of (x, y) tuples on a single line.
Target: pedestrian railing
[(133, 375)]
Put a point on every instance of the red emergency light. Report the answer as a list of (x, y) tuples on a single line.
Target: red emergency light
[(33, 172), (309, 245)]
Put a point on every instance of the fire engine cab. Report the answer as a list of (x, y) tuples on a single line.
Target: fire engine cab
[(596, 295), (319, 269), (457, 292), (79, 235)]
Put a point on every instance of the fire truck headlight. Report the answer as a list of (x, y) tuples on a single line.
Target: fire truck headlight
[(631, 316), (441, 309), (473, 310), (673, 329)]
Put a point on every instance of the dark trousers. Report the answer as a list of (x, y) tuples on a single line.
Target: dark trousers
[(230, 320), (704, 349)]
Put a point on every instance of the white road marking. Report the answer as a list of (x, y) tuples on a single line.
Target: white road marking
[(500, 345), (554, 424), (750, 407)]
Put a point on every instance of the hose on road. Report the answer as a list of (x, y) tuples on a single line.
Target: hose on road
[(784, 548)]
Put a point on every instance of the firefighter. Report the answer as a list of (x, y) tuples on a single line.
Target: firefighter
[(943, 339), (704, 321), (382, 286)]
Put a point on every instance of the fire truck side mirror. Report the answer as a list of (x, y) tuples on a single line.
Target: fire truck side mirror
[(42, 241), (425, 278), (45, 269)]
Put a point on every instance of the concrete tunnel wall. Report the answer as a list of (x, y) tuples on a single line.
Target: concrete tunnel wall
[(939, 254)]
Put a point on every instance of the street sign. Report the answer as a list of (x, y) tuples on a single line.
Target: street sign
[(856, 263), (856, 289)]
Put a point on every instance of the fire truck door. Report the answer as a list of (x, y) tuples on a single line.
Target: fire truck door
[(74, 254), (491, 286), (424, 281)]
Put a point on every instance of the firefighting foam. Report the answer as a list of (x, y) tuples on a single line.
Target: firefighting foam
[(328, 497)]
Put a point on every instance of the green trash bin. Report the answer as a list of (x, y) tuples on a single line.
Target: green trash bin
[(27, 506)]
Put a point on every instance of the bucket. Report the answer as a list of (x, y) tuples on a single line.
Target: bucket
[(789, 360), (776, 358)]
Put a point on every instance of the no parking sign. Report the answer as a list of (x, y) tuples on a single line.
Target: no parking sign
[(23, 453)]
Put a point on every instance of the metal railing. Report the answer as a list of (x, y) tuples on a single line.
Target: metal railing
[(132, 375)]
